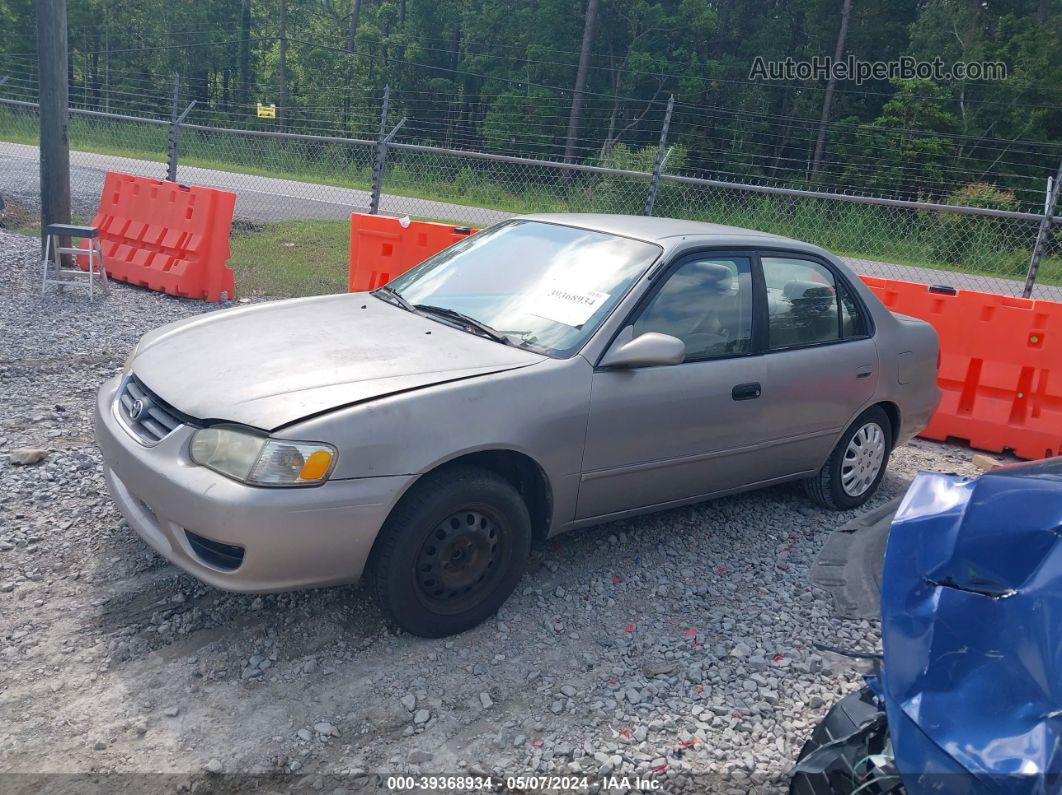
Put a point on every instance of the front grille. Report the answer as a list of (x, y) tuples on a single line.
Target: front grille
[(226, 557), (149, 418)]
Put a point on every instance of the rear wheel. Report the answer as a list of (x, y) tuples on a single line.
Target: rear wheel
[(857, 464), (451, 552)]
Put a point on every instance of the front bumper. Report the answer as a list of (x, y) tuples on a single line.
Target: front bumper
[(288, 538)]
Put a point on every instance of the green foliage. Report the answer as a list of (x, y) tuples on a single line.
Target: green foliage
[(965, 237), (623, 157), (497, 76), (983, 195), (911, 143)]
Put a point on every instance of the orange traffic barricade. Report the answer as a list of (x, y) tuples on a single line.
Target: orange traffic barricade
[(1000, 366), (167, 237), (383, 247)]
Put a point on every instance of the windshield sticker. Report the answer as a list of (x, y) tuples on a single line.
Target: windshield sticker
[(565, 305)]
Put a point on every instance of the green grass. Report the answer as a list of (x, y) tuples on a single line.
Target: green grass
[(294, 258), (301, 257), (291, 258)]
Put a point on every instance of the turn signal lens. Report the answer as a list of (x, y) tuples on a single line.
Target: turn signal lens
[(259, 460), (316, 466)]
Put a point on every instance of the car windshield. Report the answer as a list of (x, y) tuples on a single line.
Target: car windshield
[(543, 286)]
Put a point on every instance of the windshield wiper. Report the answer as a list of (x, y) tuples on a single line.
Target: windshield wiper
[(394, 297), (465, 320)]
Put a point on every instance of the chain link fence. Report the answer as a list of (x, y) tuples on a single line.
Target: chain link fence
[(284, 176)]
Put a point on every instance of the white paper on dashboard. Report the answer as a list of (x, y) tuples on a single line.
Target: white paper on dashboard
[(566, 305)]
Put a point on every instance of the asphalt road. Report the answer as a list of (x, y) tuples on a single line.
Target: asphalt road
[(258, 198), (262, 199)]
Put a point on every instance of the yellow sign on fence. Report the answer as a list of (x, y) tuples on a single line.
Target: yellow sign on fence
[(267, 111)]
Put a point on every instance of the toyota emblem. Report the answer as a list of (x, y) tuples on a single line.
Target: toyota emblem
[(136, 410)]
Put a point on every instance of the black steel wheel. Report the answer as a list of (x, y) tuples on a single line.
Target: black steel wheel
[(460, 559), (451, 551)]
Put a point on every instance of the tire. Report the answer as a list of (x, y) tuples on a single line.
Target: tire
[(451, 552), (847, 479)]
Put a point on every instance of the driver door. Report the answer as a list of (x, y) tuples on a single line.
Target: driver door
[(667, 433)]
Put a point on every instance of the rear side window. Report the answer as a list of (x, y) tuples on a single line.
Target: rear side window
[(802, 305), (853, 321)]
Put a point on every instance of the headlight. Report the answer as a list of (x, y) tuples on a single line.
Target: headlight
[(261, 461)]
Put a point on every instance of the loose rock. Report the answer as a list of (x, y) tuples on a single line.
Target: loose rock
[(26, 456)]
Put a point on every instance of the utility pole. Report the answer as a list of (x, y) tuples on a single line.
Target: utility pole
[(282, 110), (54, 138)]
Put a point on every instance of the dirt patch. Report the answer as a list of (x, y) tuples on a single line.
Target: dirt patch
[(16, 216)]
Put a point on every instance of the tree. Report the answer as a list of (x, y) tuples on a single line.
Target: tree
[(246, 74), (589, 22), (570, 80), (912, 144), (282, 74), (827, 97)]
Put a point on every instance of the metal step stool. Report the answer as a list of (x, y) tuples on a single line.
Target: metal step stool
[(55, 273)]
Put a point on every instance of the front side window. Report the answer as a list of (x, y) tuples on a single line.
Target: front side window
[(543, 286), (802, 306), (707, 303)]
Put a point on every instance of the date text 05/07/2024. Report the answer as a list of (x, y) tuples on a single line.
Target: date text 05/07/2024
[(489, 783)]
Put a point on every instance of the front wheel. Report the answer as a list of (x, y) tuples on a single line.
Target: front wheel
[(857, 464), (451, 552)]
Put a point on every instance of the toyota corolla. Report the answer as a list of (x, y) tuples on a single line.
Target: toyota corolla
[(549, 373)]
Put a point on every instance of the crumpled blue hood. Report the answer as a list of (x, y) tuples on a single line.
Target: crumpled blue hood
[(971, 606)]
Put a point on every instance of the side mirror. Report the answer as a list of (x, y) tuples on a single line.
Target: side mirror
[(645, 350)]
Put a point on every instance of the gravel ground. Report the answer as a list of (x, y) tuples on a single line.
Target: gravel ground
[(677, 646)]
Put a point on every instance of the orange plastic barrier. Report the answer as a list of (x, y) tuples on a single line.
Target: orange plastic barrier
[(1000, 366), (381, 248), (167, 237)]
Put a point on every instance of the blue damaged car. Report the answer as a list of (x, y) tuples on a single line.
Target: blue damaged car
[(967, 696)]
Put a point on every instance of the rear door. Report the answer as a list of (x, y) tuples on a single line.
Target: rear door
[(821, 362)]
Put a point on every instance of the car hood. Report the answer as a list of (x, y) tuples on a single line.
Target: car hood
[(270, 364)]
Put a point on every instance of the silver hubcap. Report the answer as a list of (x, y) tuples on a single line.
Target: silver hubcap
[(862, 459)]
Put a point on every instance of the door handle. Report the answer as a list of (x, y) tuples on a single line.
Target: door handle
[(864, 372), (745, 391)]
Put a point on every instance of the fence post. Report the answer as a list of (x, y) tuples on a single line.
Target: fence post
[(1041, 235), (658, 166), (381, 155), (175, 129), (382, 140)]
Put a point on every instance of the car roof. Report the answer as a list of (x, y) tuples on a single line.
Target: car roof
[(663, 230)]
